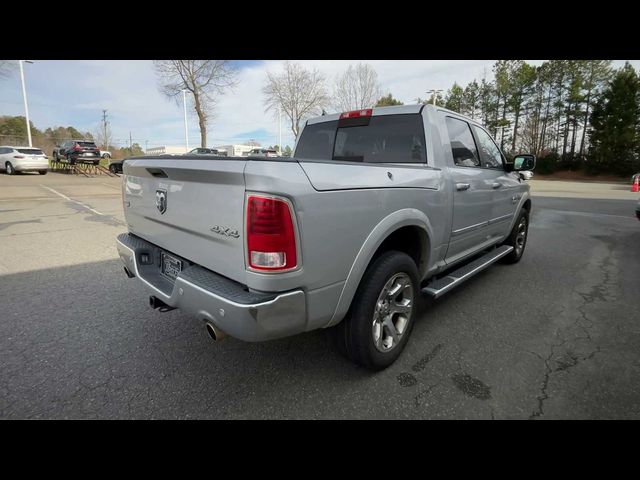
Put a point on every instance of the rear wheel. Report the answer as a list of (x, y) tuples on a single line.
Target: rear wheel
[(380, 320), (517, 238), (42, 172), (97, 162), (9, 169), (113, 169)]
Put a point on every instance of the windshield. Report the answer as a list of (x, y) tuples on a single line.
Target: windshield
[(378, 139)]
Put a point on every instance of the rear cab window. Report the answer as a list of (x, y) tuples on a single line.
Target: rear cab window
[(375, 139)]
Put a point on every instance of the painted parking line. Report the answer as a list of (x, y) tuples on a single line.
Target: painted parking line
[(72, 200)]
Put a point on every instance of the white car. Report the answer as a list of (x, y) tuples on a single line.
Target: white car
[(263, 152), (23, 159), (105, 154)]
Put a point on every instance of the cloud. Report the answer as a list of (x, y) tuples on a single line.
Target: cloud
[(75, 93)]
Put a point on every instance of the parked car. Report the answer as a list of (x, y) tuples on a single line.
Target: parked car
[(263, 152), (203, 151), (77, 151), (634, 177), (23, 159), (376, 207), (116, 166), (105, 154)]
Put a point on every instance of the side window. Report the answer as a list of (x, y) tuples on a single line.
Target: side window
[(463, 147), (489, 151)]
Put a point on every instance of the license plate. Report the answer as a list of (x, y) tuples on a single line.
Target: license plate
[(171, 266), (89, 154)]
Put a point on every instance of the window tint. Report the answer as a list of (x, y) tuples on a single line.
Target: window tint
[(87, 144), (30, 151), (489, 152), (463, 147), (316, 141), (378, 139)]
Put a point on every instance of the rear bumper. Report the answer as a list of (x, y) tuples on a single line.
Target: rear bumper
[(249, 316), (28, 166)]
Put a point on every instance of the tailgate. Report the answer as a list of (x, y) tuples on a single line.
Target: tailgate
[(193, 208)]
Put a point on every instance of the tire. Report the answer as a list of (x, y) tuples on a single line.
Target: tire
[(42, 172), (96, 163), (107, 156), (517, 238), (113, 169), (55, 157), (9, 169), (363, 339)]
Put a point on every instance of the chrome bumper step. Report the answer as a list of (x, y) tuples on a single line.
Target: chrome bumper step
[(442, 285)]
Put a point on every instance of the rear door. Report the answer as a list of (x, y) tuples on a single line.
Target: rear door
[(472, 193)]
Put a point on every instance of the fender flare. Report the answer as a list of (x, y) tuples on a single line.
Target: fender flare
[(401, 218), (525, 196)]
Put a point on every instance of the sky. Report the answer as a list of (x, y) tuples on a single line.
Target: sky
[(74, 93)]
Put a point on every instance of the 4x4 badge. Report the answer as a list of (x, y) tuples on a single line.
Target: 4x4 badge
[(161, 200)]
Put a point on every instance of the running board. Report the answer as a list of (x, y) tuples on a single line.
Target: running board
[(442, 285)]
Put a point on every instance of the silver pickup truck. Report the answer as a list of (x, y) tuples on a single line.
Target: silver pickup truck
[(376, 207)]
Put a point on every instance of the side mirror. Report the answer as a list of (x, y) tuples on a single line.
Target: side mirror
[(524, 162)]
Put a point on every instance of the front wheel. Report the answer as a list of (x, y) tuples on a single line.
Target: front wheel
[(380, 319), (42, 172), (517, 238), (113, 169)]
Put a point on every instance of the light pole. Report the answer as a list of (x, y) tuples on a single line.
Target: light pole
[(184, 104), (434, 93), (24, 96), (279, 131)]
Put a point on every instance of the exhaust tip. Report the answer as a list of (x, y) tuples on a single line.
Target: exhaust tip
[(214, 332)]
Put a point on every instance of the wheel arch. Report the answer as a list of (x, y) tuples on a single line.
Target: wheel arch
[(408, 230)]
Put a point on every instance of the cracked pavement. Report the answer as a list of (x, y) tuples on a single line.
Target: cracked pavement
[(555, 336)]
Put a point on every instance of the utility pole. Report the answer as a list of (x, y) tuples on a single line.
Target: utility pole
[(104, 128), (130, 143), (146, 146), (434, 93), (24, 96)]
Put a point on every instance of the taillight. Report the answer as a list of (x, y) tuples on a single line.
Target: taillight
[(18, 156), (367, 112), (271, 240), (76, 147)]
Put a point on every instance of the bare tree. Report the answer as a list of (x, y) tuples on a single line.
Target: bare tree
[(298, 91), (7, 67), (204, 79), (103, 136), (357, 87)]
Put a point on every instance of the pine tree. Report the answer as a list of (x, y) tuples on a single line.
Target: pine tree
[(615, 140)]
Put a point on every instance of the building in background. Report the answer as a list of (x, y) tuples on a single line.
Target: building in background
[(166, 150), (234, 150)]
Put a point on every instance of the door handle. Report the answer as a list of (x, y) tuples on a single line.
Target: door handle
[(496, 185), (462, 186)]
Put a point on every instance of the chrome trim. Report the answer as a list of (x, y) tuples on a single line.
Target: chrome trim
[(469, 228), (501, 218)]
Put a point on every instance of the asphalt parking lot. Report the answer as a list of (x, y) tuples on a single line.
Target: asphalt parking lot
[(555, 336)]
